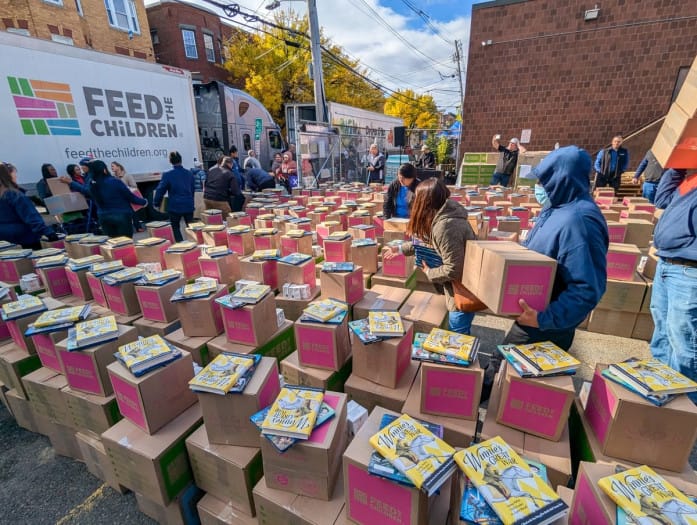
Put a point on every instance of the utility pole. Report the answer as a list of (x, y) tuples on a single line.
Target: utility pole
[(458, 46), (317, 73)]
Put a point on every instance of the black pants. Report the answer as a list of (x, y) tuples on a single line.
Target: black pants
[(267, 185), (608, 181), (175, 219), (237, 202), (116, 224)]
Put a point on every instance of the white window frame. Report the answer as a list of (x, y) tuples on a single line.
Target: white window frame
[(78, 6), (132, 25), (187, 45), (68, 41), (18, 31), (209, 47)]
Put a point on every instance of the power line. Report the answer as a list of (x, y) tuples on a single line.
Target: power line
[(427, 19)]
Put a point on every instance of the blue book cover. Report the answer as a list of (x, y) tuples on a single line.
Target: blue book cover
[(295, 258), (283, 443), (332, 267)]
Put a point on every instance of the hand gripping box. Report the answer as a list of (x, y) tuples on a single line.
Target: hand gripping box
[(227, 417), (370, 395), (296, 374), (226, 472), (311, 467), (156, 398), (250, 324), (202, 317), (86, 370), (451, 391), (383, 362), (224, 269), (323, 345), (629, 427), (380, 297), (344, 286), (155, 466), (121, 298), (370, 499), (622, 261), (154, 301)]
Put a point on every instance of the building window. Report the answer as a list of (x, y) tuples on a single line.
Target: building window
[(122, 15), (18, 31), (154, 37), (210, 50), (246, 141), (222, 51), (78, 6), (62, 39), (189, 38)]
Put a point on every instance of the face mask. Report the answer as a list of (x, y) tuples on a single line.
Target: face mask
[(541, 196)]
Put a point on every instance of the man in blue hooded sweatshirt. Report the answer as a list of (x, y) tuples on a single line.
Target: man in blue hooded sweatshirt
[(571, 230)]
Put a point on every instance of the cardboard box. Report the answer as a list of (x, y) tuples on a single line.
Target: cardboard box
[(451, 391), (639, 232), (380, 297), (44, 391), (396, 282), (426, 310), (623, 296), (344, 286), (611, 216), (643, 327), (156, 398), (154, 301), (213, 511), (90, 413), (45, 345), (537, 406), (611, 322), (146, 328), (281, 344), (474, 255), (125, 253), (622, 261), (97, 461), (295, 374), (181, 511), (296, 245), (12, 270), (63, 440), (629, 427), (311, 467), (15, 363), (687, 96), (383, 362), (153, 253), (265, 272), (398, 266), (156, 466), (163, 231), (86, 369), (197, 346), (224, 471), (56, 281), (323, 345), (121, 299), (371, 499), (396, 224), (241, 243), (370, 395), (225, 269), (366, 257), (673, 146), (293, 308), (296, 274), (267, 242), (337, 251), (186, 262), (21, 410), (212, 217), (96, 289), (17, 327), (202, 317), (77, 281), (617, 231), (216, 235), (227, 417), (249, 325)]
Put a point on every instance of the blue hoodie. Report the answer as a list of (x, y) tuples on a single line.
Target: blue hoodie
[(178, 183), (675, 236), (574, 232)]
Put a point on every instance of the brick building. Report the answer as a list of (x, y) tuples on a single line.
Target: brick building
[(574, 74), (189, 37), (111, 26)]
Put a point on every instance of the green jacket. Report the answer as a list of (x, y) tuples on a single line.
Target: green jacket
[(449, 233)]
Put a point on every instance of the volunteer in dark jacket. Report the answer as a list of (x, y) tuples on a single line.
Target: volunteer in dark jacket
[(674, 294), (178, 183), (400, 194), (20, 223), (610, 164), (652, 171), (442, 223), (221, 187), (258, 179), (114, 201), (48, 171)]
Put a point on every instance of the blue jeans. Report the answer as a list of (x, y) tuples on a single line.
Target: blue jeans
[(674, 312), (460, 322), (648, 191), (500, 179)]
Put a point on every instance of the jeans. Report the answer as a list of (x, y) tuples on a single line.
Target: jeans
[(176, 219), (500, 178), (674, 312), (460, 322), (116, 224), (648, 191)]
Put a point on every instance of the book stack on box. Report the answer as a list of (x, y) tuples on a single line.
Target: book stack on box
[(212, 216), (161, 230), (183, 256), (240, 239), (119, 248), (267, 239), (220, 263), (76, 272), (215, 235), (296, 240), (343, 281), (246, 315), (51, 270), (199, 313), (364, 253), (94, 279), (152, 250), (336, 245), (120, 291), (237, 218), (261, 266), (90, 245), (14, 263), (154, 291)]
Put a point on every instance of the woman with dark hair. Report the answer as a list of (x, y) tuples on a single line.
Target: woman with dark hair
[(178, 184), (20, 223), (113, 200), (47, 172), (400, 193), (441, 223), (74, 171)]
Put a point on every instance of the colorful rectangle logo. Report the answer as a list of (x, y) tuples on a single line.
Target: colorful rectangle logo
[(44, 108)]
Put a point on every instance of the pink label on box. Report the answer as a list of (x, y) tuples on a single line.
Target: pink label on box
[(252, 212), (220, 238), (645, 207), (530, 406), (404, 352), (80, 372), (236, 243), (126, 253), (605, 202), (309, 274), (316, 346), (209, 268), (586, 509), (289, 245), (373, 500), (524, 216), (57, 282), (75, 284), (335, 251), (190, 263), (621, 266), (8, 272), (262, 243), (269, 392), (245, 221), (320, 434), (95, 285), (164, 232), (617, 232), (4, 330), (213, 219), (624, 214), (270, 272), (355, 287), (600, 407), (150, 304), (238, 326), (115, 299), (526, 282), (395, 267), (17, 335), (128, 401), (47, 352), (448, 392), (355, 221), (199, 236)]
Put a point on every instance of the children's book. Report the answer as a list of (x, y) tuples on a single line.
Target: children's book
[(418, 353), (324, 310), (218, 251), (460, 346), (337, 319), (103, 268), (183, 246), (251, 293), (266, 255), (73, 314), (523, 369), (46, 252), (259, 232), (296, 234), (84, 263), (160, 278), (92, 332), (51, 261), (516, 493), (222, 374), (379, 466), (93, 239), (336, 267), (357, 243), (75, 237), (150, 241), (657, 399), (295, 258), (544, 358), (283, 443), (7, 245), (424, 253), (199, 289), (239, 229), (125, 275), (237, 214), (23, 306), (213, 211), (226, 301), (15, 253), (425, 459), (363, 227), (213, 227), (385, 323), (339, 236), (294, 412), (361, 329), (650, 376), (646, 497), (195, 226), (157, 224), (119, 241), (146, 352)]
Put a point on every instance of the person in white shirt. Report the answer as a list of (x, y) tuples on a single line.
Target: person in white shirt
[(251, 161)]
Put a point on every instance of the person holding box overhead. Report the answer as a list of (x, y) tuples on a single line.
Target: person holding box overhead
[(508, 160)]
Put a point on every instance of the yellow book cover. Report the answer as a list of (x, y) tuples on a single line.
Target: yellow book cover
[(251, 293), (150, 241), (120, 241), (296, 233), (648, 498), (263, 255), (240, 228), (146, 351), (265, 231), (83, 262), (294, 412), (545, 357), (128, 273), (52, 260), (64, 315), (445, 342), (321, 209), (183, 246), (221, 374), (338, 236), (652, 376), (161, 276), (416, 452), (196, 226), (95, 330), (384, 323), (266, 216), (213, 227), (515, 493), (47, 252), (106, 266), (217, 251), (325, 309), (199, 287), (24, 305), (15, 253)]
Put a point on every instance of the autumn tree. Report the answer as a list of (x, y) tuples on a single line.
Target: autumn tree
[(417, 111)]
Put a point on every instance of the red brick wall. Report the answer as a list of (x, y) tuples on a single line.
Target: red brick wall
[(166, 19), (570, 80)]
